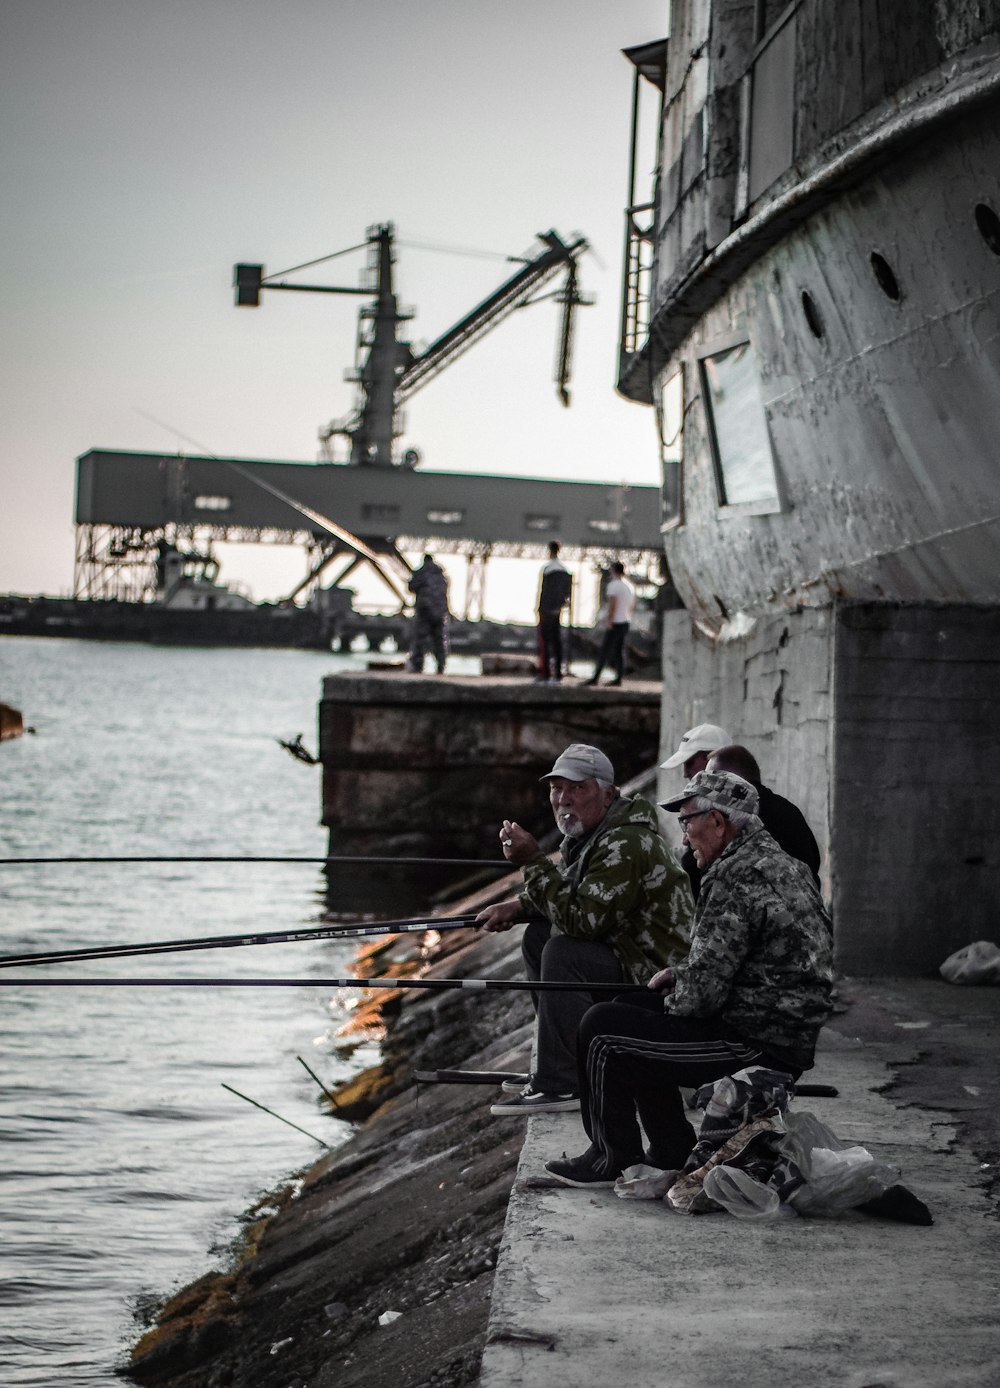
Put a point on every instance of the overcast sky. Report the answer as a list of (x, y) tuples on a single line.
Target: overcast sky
[(147, 145)]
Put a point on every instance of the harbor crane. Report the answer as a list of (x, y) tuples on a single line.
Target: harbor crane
[(387, 370)]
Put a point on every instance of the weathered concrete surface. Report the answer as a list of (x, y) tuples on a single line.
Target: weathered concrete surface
[(427, 765), (591, 1289), (879, 721)]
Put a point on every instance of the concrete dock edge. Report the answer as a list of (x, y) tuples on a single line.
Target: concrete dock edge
[(594, 1289)]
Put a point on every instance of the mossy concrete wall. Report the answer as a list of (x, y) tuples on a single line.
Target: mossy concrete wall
[(429, 765)]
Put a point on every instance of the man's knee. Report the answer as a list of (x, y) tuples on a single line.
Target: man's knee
[(566, 958), (533, 941), (599, 1019)]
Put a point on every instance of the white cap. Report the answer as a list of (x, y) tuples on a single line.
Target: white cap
[(706, 737)]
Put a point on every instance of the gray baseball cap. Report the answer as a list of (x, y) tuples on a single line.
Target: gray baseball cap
[(706, 737), (581, 762), (724, 791)]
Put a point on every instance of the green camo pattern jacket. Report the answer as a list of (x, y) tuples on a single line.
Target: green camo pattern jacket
[(761, 956), (620, 886)]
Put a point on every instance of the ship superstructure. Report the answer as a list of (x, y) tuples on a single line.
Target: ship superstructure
[(811, 307)]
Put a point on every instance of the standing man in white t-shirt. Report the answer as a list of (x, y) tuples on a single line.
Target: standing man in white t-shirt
[(620, 598)]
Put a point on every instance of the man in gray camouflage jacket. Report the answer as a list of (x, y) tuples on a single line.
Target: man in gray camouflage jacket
[(754, 990), (614, 910)]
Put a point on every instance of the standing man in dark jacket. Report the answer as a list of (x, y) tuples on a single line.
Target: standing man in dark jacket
[(554, 590), (754, 990), (429, 586)]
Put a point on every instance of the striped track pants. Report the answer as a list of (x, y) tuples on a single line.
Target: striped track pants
[(632, 1060)]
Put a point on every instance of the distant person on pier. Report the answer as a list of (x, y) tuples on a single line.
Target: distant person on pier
[(754, 989), (620, 598), (554, 591), (429, 586), (615, 909)]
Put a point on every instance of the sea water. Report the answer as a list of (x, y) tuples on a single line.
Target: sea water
[(125, 1164)]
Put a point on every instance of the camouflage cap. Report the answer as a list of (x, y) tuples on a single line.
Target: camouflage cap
[(724, 791), (581, 762)]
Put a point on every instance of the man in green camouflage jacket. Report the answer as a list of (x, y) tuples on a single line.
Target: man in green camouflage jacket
[(614, 910), (754, 990)]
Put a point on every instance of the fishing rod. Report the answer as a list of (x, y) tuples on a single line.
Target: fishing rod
[(409, 926), (271, 1112), (354, 860), (471, 985)]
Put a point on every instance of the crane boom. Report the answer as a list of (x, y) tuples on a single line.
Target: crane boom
[(513, 294)]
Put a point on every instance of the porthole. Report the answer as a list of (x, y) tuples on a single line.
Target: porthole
[(887, 281), (813, 316), (989, 226)]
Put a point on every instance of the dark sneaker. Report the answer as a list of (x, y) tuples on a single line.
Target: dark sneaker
[(516, 1085), (532, 1100), (581, 1171)]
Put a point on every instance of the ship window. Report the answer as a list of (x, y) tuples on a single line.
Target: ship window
[(538, 522), (742, 444), (887, 281), (212, 503), (670, 419), (439, 517), (989, 226), (812, 313), (379, 511), (604, 526)]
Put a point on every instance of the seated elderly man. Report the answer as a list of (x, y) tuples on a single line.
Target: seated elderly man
[(753, 990), (614, 910)]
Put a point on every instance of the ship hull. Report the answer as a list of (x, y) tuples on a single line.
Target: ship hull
[(883, 428)]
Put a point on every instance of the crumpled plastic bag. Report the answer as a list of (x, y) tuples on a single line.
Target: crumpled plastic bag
[(743, 1196), (836, 1176), (644, 1183), (752, 1141), (975, 963)]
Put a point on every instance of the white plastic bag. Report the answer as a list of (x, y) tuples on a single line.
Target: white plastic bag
[(837, 1176), (738, 1192), (644, 1183), (975, 963)]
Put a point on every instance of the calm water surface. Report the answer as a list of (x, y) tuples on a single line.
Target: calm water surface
[(125, 1163)]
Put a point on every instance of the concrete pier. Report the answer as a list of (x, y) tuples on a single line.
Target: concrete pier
[(427, 765)]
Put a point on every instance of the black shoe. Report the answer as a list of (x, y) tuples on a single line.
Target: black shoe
[(531, 1100), (581, 1171)]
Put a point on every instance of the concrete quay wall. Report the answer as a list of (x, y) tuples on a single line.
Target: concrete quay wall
[(880, 721), (428, 765), (592, 1289)]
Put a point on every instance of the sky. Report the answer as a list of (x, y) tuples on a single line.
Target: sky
[(146, 146)]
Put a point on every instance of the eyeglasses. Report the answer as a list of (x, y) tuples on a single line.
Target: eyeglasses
[(682, 819)]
